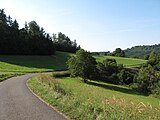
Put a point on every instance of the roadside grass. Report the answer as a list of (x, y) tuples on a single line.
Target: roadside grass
[(127, 62), (12, 65), (95, 100), (6, 75)]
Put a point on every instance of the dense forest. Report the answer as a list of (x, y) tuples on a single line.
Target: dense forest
[(30, 40), (141, 51)]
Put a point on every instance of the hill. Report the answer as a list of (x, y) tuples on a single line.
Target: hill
[(14, 65), (10, 63), (140, 51), (127, 62)]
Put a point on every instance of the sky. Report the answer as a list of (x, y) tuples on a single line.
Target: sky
[(97, 25)]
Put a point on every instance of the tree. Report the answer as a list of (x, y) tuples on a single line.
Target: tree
[(64, 43), (152, 55), (119, 52), (146, 79), (108, 70), (34, 28), (154, 60), (31, 40), (82, 65), (125, 77)]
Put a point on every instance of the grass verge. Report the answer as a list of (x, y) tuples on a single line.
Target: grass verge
[(99, 101), (6, 75)]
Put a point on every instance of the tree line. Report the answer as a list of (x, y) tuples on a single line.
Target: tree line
[(142, 51), (30, 40)]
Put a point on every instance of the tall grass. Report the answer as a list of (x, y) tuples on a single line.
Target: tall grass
[(88, 102)]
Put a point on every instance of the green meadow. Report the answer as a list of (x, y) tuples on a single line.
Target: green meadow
[(127, 62), (17, 65), (95, 100)]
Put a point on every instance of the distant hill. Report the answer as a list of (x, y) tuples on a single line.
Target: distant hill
[(140, 51)]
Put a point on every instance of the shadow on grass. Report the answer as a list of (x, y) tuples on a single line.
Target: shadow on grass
[(115, 88), (54, 62)]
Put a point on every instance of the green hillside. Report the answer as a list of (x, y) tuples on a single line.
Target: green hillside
[(15, 65), (140, 51), (127, 62), (33, 63)]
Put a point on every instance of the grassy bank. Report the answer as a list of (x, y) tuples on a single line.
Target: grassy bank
[(16, 65), (6, 75), (27, 64), (94, 100), (127, 62)]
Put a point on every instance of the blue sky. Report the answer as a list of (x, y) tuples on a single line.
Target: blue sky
[(97, 25)]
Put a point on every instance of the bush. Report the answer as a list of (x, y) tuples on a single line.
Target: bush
[(125, 77), (61, 74), (147, 80), (156, 90)]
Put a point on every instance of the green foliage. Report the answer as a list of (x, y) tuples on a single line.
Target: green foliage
[(154, 60), (146, 79), (152, 55), (101, 101), (82, 65), (125, 77), (146, 57), (110, 72), (119, 52), (31, 40), (140, 51), (107, 69), (63, 43)]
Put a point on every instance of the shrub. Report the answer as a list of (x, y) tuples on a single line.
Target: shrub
[(61, 74), (156, 90), (125, 77), (147, 79)]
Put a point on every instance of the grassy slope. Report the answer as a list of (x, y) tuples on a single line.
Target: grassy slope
[(103, 90), (14, 65), (98, 100), (33, 63), (127, 62), (25, 64)]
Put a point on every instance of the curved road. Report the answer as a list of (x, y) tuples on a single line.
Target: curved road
[(18, 103)]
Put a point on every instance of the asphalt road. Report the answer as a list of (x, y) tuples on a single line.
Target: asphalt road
[(18, 103)]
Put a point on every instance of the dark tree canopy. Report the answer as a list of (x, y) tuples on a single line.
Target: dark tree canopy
[(119, 52), (63, 43), (141, 51), (30, 40)]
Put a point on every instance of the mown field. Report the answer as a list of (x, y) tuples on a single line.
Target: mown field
[(15, 65), (127, 62), (95, 100)]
